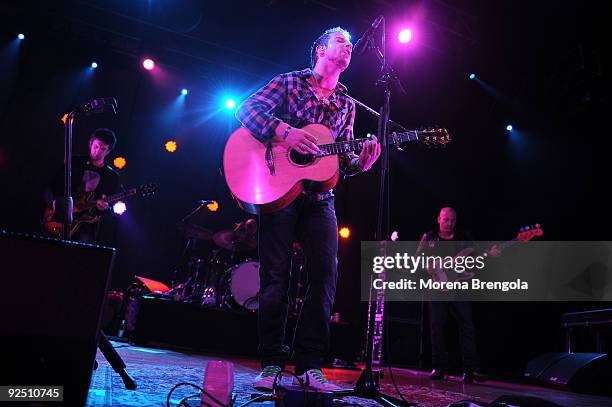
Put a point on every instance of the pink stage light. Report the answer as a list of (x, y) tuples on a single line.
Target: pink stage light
[(148, 64), (404, 36), (119, 208)]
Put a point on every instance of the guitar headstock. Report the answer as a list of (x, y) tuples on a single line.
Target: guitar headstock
[(529, 232), (434, 136), (147, 189)]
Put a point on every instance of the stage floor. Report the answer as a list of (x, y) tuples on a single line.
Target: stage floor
[(156, 370)]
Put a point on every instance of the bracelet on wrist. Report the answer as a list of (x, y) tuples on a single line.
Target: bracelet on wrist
[(287, 131)]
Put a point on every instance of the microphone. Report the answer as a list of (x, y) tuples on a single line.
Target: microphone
[(362, 43), (98, 105), (205, 202)]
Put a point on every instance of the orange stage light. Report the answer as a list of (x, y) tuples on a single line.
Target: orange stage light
[(344, 232), (171, 146), (119, 162), (213, 207)]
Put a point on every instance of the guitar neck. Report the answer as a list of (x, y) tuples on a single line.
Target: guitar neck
[(507, 244), (115, 197), (121, 195), (342, 147)]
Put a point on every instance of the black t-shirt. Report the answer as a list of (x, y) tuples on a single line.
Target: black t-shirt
[(86, 178), (433, 244)]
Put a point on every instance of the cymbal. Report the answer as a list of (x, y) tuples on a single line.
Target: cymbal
[(196, 231), (228, 239)]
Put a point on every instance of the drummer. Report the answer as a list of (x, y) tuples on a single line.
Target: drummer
[(245, 238), (246, 233)]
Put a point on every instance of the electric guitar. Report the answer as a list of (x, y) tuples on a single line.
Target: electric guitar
[(264, 178), (526, 234), (84, 209)]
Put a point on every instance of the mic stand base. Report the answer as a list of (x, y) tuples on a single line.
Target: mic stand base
[(368, 387)]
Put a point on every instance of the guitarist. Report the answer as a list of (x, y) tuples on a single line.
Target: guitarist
[(455, 242), (91, 175), (278, 110)]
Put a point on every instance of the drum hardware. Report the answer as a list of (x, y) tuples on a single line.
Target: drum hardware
[(226, 275), (193, 231), (242, 286)]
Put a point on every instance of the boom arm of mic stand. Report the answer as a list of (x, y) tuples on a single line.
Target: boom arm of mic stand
[(373, 112)]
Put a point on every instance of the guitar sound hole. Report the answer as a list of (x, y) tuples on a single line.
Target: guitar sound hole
[(301, 159)]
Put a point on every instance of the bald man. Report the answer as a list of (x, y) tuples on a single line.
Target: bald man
[(439, 310)]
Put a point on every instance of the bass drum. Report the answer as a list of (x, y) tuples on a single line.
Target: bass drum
[(244, 285)]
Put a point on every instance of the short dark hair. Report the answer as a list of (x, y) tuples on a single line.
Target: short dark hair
[(322, 41), (105, 135)]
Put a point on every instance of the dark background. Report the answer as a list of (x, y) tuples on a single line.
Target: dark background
[(541, 68)]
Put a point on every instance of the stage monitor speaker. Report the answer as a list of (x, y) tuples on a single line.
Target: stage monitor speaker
[(51, 302), (581, 372)]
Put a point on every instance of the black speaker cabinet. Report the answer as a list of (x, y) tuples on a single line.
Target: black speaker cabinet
[(51, 301), (581, 372)]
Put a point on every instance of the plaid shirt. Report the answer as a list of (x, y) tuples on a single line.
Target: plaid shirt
[(290, 98)]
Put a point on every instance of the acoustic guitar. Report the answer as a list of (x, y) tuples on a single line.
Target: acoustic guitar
[(265, 178)]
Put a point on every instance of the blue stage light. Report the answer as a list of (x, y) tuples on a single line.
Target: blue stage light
[(509, 127), (230, 103), (94, 65), (184, 91), (472, 76), (20, 36)]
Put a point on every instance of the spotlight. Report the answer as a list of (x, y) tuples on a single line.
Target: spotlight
[(472, 76), (230, 103), (148, 64), (119, 207), (94, 65), (404, 36), (213, 206), (344, 232), (170, 146), (184, 91), (509, 127), (21, 36), (119, 162)]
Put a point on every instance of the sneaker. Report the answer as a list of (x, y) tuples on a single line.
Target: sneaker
[(436, 374), (315, 380), (265, 379)]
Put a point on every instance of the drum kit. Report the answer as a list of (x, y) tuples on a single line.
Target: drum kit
[(220, 269)]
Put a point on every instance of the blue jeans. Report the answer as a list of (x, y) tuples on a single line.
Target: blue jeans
[(313, 223)]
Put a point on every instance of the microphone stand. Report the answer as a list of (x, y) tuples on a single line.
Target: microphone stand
[(368, 385), (63, 206)]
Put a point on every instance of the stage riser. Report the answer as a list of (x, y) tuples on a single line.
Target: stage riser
[(221, 331)]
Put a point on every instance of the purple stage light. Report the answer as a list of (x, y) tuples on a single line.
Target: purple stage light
[(148, 64), (405, 36), (119, 208)]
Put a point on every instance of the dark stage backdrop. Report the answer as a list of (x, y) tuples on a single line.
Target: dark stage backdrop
[(550, 170)]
